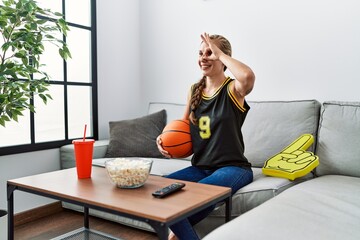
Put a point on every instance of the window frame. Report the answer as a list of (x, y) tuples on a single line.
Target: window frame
[(32, 146)]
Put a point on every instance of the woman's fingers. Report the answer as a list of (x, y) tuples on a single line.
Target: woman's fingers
[(161, 149)]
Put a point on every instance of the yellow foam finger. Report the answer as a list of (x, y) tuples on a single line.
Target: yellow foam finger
[(302, 143), (293, 161)]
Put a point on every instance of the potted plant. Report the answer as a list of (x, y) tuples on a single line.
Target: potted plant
[(24, 28)]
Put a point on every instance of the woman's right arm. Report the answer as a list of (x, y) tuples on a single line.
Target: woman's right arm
[(186, 116), (187, 108)]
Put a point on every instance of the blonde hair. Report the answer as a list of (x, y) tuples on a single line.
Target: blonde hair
[(196, 94)]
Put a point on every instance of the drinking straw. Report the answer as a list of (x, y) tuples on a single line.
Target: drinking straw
[(84, 133)]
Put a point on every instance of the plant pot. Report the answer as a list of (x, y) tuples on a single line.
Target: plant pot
[(3, 224)]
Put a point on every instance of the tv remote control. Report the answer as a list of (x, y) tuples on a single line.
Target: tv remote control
[(168, 190)]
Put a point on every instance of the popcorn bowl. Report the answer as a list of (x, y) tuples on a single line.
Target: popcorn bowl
[(128, 173)]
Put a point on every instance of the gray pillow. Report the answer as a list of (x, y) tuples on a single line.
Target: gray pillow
[(339, 139), (270, 126), (136, 137)]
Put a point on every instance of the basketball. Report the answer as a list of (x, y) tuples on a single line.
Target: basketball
[(176, 139)]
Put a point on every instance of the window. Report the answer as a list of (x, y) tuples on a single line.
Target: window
[(73, 87)]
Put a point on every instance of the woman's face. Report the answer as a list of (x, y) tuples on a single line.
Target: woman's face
[(208, 66)]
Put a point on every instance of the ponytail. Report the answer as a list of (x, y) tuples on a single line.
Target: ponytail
[(195, 99)]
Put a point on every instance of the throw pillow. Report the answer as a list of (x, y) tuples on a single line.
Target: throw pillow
[(136, 137)]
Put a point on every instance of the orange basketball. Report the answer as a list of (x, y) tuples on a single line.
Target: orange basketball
[(176, 139)]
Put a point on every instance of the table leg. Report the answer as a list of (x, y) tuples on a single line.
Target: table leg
[(10, 199), (160, 228), (86, 217), (228, 207)]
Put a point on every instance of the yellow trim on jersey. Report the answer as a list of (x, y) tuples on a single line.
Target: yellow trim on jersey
[(234, 99), (217, 90)]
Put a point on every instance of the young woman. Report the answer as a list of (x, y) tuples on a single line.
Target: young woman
[(216, 109)]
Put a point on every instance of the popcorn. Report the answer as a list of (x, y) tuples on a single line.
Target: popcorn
[(128, 173)]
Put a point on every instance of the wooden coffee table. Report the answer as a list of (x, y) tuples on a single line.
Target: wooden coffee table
[(99, 193)]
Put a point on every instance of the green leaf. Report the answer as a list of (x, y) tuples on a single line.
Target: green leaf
[(33, 26), (19, 55), (19, 5), (8, 112), (32, 108), (63, 26), (39, 38), (14, 117), (2, 121), (49, 96), (62, 53), (10, 65), (6, 118), (58, 14), (43, 97), (41, 21), (49, 36), (3, 23), (18, 112), (25, 60)]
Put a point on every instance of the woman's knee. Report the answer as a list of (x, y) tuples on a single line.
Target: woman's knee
[(233, 177), (191, 174)]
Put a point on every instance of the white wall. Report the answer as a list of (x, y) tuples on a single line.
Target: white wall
[(118, 61), (26, 164), (147, 51), (298, 49)]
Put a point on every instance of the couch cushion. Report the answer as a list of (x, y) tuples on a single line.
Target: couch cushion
[(338, 145), (136, 137), (272, 125), (174, 111), (326, 207), (260, 190), (251, 196)]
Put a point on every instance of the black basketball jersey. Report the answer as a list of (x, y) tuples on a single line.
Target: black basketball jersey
[(217, 140)]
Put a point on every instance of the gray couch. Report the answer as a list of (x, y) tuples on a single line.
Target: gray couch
[(269, 127), (325, 207)]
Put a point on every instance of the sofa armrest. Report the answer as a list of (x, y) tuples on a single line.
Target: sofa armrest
[(67, 155)]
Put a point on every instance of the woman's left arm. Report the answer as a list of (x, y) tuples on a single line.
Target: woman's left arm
[(243, 74), (245, 77)]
